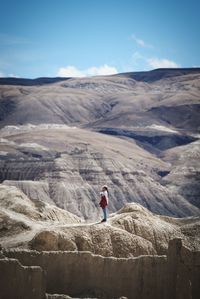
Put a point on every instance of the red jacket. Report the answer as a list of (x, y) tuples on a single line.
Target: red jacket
[(103, 202)]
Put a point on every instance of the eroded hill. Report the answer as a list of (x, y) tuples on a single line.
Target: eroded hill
[(49, 148), (67, 166), (132, 231)]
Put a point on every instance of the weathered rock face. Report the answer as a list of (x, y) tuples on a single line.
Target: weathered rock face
[(183, 275), (89, 278), (18, 281), (56, 296), (21, 218), (105, 240), (83, 274), (15, 202), (138, 221), (132, 231), (152, 159), (147, 112), (184, 178), (67, 166)]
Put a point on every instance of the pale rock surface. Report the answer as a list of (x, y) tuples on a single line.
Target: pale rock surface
[(59, 296), (76, 163), (18, 281), (153, 160), (83, 274), (21, 218), (132, 231), (105, 240), (148, 112), (184, 178)]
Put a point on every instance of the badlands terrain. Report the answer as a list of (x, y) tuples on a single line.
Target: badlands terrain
[(132, 231), (62, 139)]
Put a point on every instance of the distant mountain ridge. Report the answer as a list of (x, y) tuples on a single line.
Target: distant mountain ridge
[(161, 73), (55, 141), (30, 82), (144, 76)]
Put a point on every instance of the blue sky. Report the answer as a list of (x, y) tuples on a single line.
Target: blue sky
[(97, 37)]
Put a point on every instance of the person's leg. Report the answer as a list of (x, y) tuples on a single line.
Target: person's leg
[(105, 213)]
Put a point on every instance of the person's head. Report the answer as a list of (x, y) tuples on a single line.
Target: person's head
[(105, 188)]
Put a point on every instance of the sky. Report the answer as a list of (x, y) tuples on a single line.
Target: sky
[(78, 38)]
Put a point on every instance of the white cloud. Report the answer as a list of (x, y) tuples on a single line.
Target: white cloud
[(72, 71), (140, 62), (102, 70), (161, 63), (141, 42)]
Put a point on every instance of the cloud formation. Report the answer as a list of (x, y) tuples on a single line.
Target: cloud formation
[(72, 71), (141, 42), (162, 63), (150, 62), (153, 62)]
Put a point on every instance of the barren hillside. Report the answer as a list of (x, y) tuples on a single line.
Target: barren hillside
[(67, 166), (56, 142)]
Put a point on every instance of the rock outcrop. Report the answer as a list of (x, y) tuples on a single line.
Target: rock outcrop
[(67, 166), (84, 274), (99, 239), (19, 281), (21, 218), (185, 175), (130, 232)]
